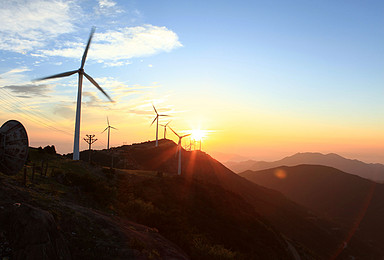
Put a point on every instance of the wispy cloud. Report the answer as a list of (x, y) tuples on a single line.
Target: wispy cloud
[(14, 76), (92, 100), (64, 110), (32, 26), (123, 44), (29, 90), (106, 3), (24, 23)]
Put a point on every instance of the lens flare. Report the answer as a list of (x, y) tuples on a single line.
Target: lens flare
[(280, 173), (197, 134)]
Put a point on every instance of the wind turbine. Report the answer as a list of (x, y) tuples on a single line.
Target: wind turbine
[(165, 128), (109, 129), (179, 149), (81, 73), (157, 124)]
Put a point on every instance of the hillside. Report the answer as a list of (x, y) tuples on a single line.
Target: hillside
[(65, 214), (372, 171), (311, 234), (97, 213), (354, 202)]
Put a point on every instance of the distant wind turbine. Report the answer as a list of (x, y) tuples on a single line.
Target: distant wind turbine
[(157, 124), (81, 73), (179, 148), (165, 128), (109, 129)]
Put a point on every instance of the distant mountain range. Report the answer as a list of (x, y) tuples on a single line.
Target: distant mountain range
[(372, 171), (354, 202)]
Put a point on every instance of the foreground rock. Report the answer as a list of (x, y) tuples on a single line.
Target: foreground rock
[(32, 233)]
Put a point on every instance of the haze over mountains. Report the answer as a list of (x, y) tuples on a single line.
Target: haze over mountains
[(372, 171)]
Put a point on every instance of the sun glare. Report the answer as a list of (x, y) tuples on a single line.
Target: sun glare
[(197, 134)]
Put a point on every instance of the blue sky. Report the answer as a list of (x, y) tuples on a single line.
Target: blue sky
[(267, 78)]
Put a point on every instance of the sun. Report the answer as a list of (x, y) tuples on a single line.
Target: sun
[(197, 134)]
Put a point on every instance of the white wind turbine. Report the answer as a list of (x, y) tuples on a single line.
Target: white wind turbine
[(165, 128), (81, 73), (157, 124), (179, 149), (109, 129)]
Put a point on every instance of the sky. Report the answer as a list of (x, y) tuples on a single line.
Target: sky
[(262, 79)]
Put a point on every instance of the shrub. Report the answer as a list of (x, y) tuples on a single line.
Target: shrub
[(203, 249)]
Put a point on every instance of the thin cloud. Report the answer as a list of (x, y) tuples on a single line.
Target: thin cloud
[(123, 44), (14, 77), (92, 100), (26, 91), (64, 111), (106, 4), (24, 23)]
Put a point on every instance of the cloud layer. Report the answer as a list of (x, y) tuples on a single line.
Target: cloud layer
[(25, 23), (29, 90), (122, 44), (34, 26)]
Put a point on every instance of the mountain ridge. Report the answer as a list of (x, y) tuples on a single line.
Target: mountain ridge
[(372, 171)]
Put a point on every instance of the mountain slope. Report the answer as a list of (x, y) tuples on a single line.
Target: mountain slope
[(366, 170), (46, 219), (354, 202), (207, 221), (322, 238), (136, 214)]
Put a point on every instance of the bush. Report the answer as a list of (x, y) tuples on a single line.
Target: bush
[(50, 149), (205, 250)]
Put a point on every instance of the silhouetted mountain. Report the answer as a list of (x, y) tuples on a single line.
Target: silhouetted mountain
[(372, 171), (354, 202), (312, 236)]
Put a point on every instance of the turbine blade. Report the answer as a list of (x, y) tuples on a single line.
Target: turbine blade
[(154, 120), (185, 136), (168, 123), (163, 115), (174, 131), (107, 121), (104, 130), (114, 128), (155, 109), (97, 85), (86, 48), (61, 75)]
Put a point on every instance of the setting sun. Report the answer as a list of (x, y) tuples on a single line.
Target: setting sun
[(197, 134)]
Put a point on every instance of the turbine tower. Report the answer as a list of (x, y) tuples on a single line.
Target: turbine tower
[(81, 73), (179, 149), (165, 128), (157, 125), (109, 129)]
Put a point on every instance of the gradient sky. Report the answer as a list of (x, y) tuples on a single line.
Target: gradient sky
[(266, 78)]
